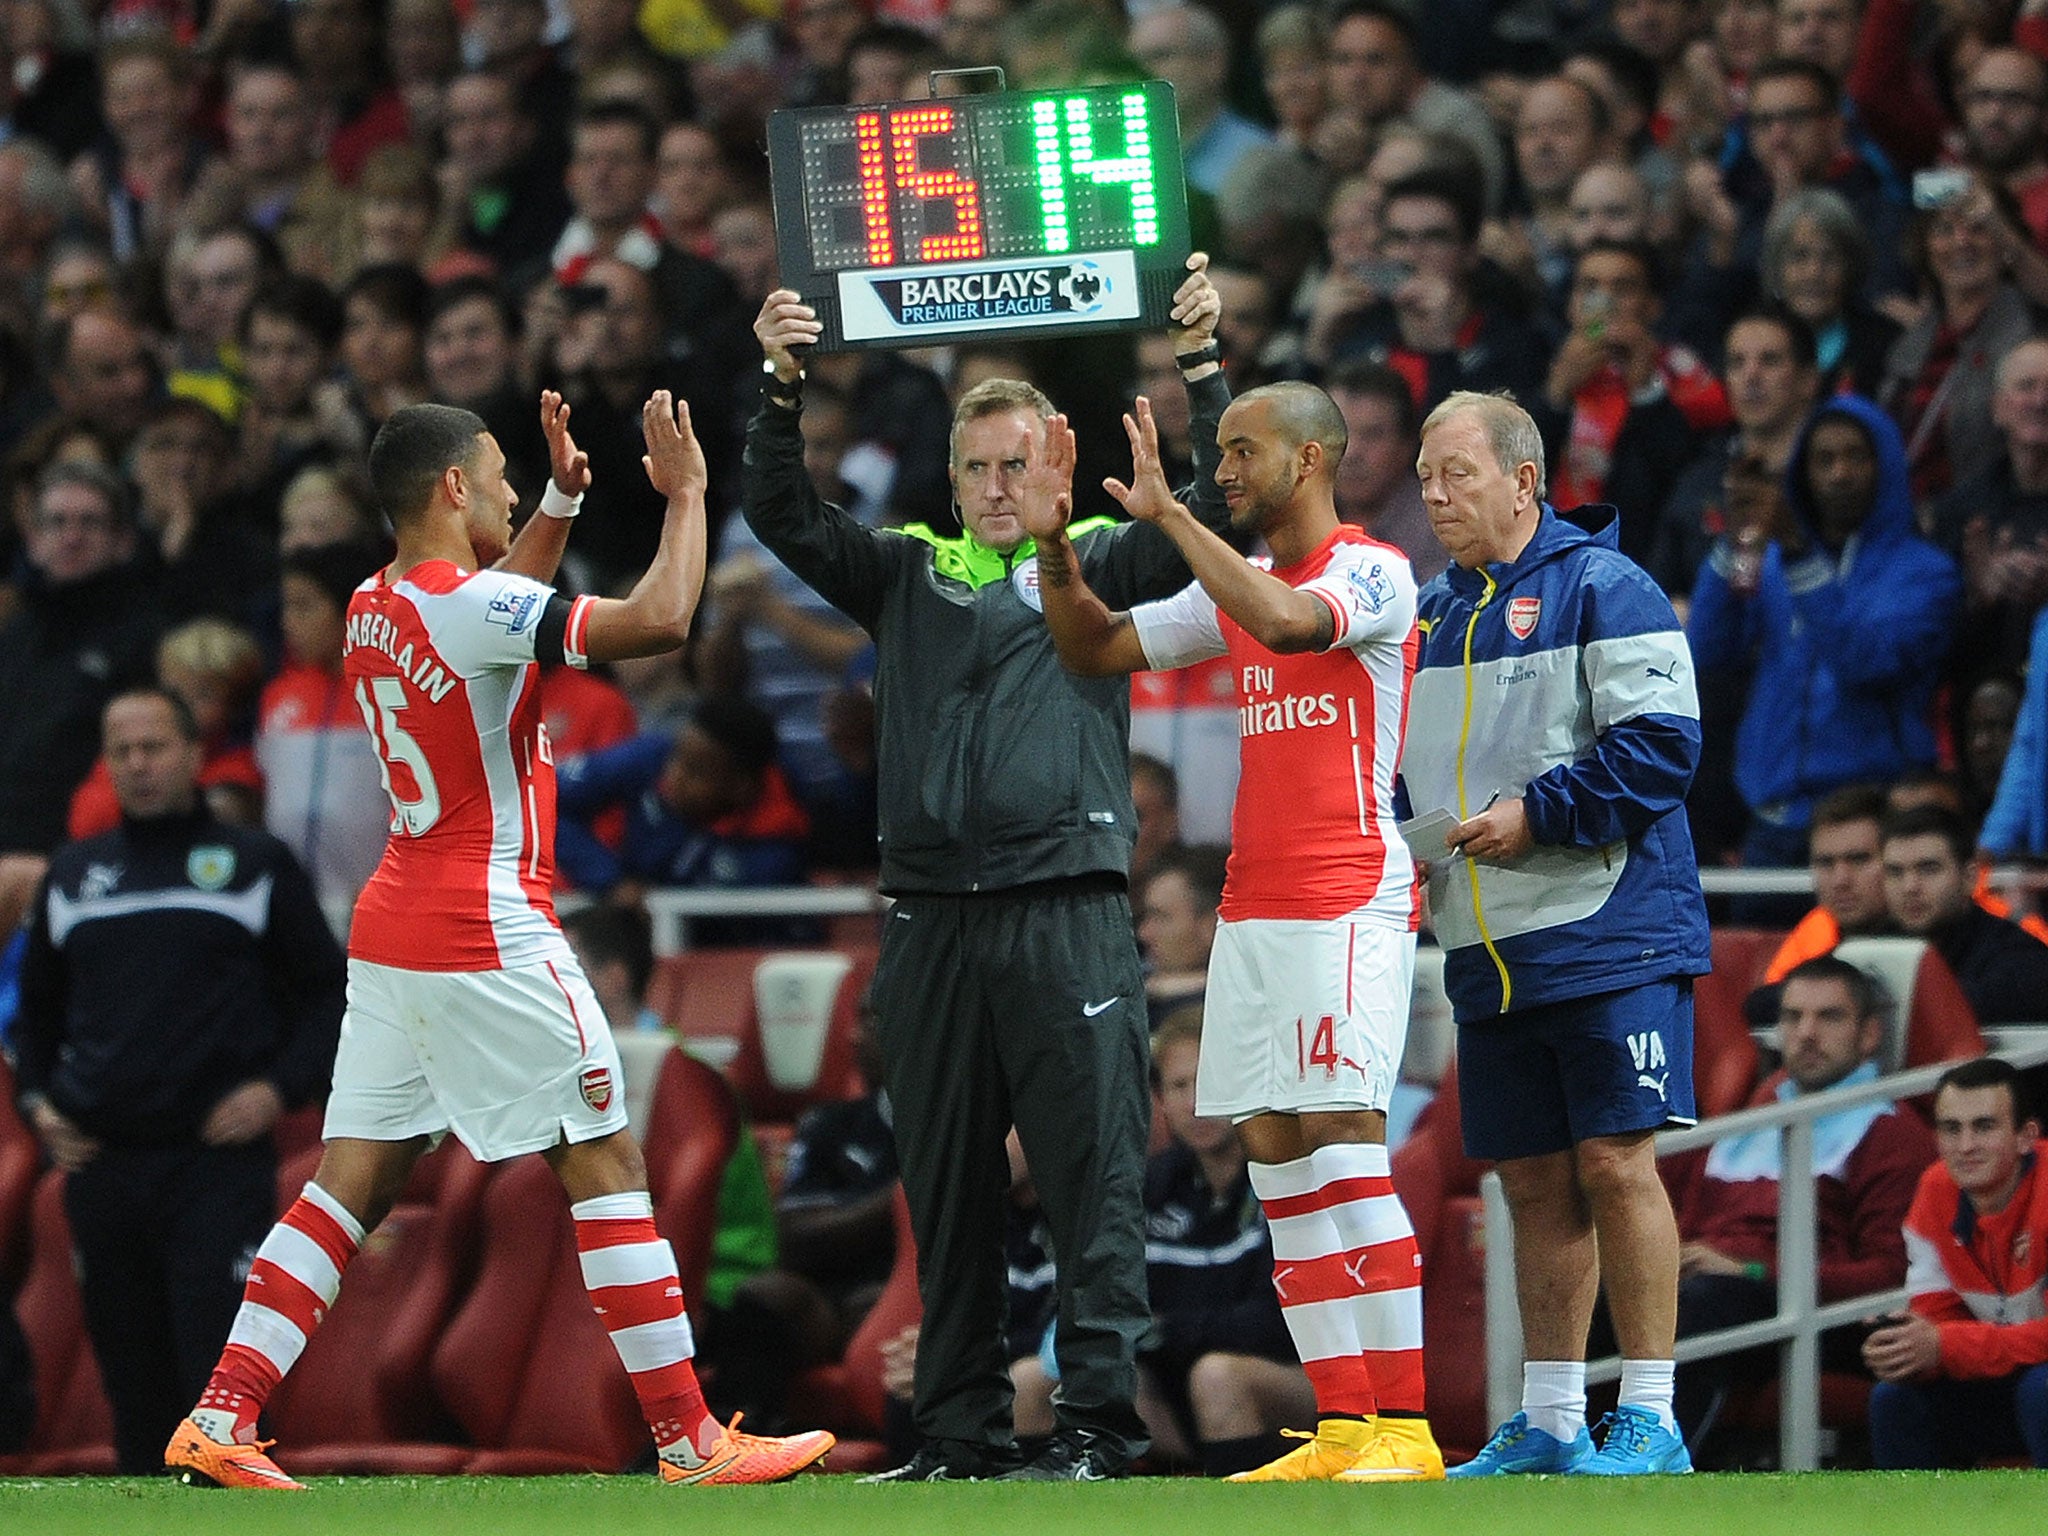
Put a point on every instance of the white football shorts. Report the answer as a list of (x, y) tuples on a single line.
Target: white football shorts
[(1303, 1016), (512, 1060)]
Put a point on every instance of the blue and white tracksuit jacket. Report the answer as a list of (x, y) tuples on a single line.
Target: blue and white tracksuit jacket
[(1561, 677)]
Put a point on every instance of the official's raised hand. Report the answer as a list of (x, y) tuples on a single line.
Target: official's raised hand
[(1197, 306), (1047, 491), (674, 459), (569, 464), (785, 323), (1148, 497)]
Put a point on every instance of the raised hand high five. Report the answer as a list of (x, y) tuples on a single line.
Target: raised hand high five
[(569, 464), (1148, 497), (1047, 487), (674, 459)]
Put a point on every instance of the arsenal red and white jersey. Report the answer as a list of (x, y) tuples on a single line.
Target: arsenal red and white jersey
[(441, 663), (1319, 737)]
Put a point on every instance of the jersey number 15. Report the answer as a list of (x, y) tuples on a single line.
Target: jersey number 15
[(397, 747)]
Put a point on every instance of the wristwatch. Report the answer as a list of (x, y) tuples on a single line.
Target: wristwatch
[(782, 392)]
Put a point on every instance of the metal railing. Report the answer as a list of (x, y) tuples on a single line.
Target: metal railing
[(671, 911), (1715, 880), (1800, 1319)]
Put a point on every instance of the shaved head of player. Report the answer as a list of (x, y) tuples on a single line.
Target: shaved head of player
[(1281, 447), (439, 463), (1307, 1004)]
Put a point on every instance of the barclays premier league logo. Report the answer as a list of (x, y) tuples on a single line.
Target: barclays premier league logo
[(990, 296)]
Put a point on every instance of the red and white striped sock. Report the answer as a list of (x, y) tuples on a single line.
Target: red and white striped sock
[(630, 1272), (292, 1283), (1314, 1291), (1384, 1264)]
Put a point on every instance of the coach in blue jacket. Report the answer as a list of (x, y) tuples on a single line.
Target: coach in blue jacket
[(1845, 617), (1554, 712)]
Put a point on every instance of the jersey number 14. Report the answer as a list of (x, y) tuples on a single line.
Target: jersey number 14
[(1316, 1050)]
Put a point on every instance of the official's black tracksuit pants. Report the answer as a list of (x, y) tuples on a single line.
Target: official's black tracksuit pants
[(1024, 1007), (165, 1236)]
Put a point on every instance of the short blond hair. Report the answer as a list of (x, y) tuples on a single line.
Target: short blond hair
[(994, 397), (1510, 430), (214, 648)]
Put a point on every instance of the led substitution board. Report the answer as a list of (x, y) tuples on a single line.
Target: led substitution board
[(1025, 213)]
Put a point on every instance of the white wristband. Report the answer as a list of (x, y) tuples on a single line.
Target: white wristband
[(554, 504)]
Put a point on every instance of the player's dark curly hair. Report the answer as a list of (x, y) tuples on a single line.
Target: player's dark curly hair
[(416, 445)]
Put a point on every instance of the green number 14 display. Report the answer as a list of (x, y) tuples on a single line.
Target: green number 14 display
[(993, 189)]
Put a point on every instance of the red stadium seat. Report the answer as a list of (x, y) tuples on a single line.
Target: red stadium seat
[(848, 1398), (360, 1399), (298, 1129), (1742, 955), (693, 1125), (525, 1366), (21, 1160), (1439, 1184), (74, 1429), (706, 994), (1724, 1053), (838, 1070), (707, 997)]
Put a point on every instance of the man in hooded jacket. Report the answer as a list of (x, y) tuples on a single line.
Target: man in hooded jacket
[(1844, 612)]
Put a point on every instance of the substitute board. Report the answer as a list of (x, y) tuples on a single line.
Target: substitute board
[(1017, 214)]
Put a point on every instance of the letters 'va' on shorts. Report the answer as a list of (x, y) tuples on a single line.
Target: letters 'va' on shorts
[(1302, 1017), (512, 1061), (1544, 1079)]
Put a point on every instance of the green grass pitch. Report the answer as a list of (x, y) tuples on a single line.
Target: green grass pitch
[(1818, 1504)]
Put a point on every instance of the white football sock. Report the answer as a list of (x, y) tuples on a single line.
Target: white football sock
[(1647, 1384), (1554, 1397)]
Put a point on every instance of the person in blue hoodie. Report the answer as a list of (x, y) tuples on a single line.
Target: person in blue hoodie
[(1845, 614), (707, 809), (1554, 717)]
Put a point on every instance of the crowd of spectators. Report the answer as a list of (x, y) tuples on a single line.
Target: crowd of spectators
[(1767, 275)]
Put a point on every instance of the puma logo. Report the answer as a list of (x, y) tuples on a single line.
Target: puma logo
[(1355, 1268), (1670, 675), (1280, 1281), (1644, 1080)]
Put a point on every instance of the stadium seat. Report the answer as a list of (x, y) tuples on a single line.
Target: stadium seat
[(641, 1054), (298, 1129), (837, 1075), (707, 994), (21, 1160), (524, 1366), (1931, 1019), (1742, 955), (1724, 1053), (709, 998), (74, 1429), (693, 1123), (1439, 1186), (848, 1398), (360, 1399)]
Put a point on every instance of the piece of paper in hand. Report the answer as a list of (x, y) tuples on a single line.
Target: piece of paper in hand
[(1425, 834)]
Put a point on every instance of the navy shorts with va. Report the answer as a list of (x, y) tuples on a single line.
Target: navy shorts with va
[(1545, 1079)]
